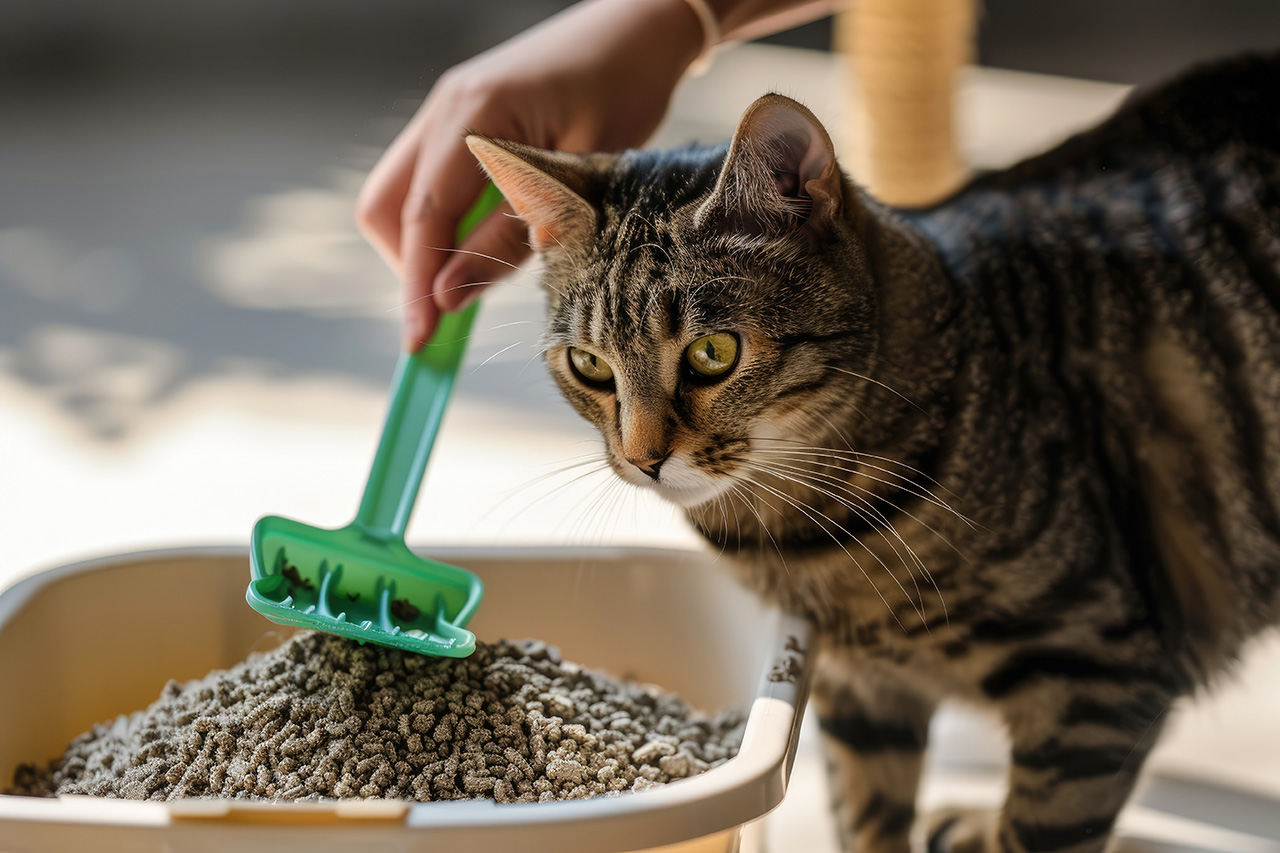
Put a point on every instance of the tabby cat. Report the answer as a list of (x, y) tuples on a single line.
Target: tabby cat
[(1021, 448)]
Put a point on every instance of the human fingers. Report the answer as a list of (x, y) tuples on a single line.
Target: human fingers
[(446, 182), (493, 249), (382, 195)]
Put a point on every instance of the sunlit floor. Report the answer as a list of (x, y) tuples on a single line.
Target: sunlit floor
[(192, 335)]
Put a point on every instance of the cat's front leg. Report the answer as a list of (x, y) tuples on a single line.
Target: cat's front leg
[(874, 734), (1077, 750)]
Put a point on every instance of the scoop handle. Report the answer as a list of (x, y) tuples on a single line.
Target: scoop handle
[(420, 391)]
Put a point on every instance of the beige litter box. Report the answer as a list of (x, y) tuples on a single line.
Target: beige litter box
[(83, 643)]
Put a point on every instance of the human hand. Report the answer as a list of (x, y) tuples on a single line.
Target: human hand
[(597, 77)]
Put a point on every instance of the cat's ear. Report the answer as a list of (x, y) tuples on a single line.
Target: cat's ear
[(552, 191), (780, 175)]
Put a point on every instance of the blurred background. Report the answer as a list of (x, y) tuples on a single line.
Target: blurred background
[(192, 333), (177, 240)]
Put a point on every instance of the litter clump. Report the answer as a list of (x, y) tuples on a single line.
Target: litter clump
[(322, 717)]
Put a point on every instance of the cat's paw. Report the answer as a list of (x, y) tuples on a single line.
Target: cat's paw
[(957, 830)]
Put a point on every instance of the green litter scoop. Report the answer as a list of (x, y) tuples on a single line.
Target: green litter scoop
[(361, 581)]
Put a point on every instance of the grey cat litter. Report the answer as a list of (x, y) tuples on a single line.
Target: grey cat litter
[(322, 717)]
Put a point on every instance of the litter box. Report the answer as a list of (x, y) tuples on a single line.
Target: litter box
[(83, 643)]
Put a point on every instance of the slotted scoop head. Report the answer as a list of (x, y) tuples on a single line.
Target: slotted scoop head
[(361, 581)]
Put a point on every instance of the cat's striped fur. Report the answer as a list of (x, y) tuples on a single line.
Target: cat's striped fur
[(1022, 448)]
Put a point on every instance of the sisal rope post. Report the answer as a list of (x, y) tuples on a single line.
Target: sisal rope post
[(904, 57)]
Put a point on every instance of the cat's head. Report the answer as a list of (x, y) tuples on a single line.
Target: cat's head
[(703, 303)]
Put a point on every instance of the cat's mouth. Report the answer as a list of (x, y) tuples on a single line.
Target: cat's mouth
[(678, 480)]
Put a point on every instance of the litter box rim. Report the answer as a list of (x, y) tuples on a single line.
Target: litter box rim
[(741, 790)]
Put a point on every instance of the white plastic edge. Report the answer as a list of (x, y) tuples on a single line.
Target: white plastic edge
[(742, 789)]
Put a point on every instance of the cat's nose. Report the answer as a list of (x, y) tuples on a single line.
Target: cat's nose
[(649, 465)]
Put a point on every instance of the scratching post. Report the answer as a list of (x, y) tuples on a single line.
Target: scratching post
[(903, 58)]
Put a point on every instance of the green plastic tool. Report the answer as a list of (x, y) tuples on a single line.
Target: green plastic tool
[(362, 581)]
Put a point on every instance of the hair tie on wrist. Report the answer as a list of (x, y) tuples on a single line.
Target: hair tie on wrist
[(710, 35)]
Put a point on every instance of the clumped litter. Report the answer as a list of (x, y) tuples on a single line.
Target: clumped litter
[(322, 717)]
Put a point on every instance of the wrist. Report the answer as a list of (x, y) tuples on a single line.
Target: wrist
[(684, 31), (709, 26), (742, 20)]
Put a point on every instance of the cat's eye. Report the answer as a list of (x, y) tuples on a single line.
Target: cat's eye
[(713, 355), (590, 366)]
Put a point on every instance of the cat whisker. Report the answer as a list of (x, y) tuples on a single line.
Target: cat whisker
[(888, 388), (493, 356), (722, 504), (719, 504), (843, 455), (553, 237), (816, 479), (738, 487), (566, 524), (871, 515), (824, 483), (817, 459), (737, 520), (859, 457), (818, 518), (610, 506), (840, 433), (814, 515), (596, 459), (565, 465), (896, 508), (870, 519), (614, 506), (537, 355), (401, 305), (467, 285), (885, 367), (594, 498), (592, 516), (612, 510), (860, 460), (472, 252), (515, 267), (849, 448)]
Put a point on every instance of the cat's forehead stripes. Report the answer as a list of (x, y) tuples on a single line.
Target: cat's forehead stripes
[(638, 243), (656, 182), (632, 321), (653, 278)]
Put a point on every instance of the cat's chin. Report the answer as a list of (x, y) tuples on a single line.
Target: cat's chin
[(688, 498)]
